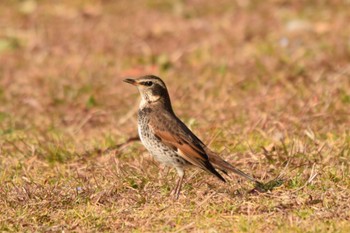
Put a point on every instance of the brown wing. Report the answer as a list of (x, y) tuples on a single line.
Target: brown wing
[(185, 145), (191, 153)]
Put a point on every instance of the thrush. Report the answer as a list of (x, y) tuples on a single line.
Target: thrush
[(168, 139)]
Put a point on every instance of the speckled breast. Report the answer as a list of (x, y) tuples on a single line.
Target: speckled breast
[(161, 152)]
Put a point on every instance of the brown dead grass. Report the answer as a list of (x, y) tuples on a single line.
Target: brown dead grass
[(264, 83)]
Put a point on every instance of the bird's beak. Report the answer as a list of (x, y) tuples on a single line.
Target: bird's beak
[(131, 81)]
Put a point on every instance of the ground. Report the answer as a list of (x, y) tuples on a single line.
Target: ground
[(265, 83)]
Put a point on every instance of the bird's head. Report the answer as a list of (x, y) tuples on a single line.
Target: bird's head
[(152, 90)]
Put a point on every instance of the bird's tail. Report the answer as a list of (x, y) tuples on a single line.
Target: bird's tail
[(225, 166)]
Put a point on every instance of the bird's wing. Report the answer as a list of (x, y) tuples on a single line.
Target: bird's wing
[(185, 149), (181, 139)]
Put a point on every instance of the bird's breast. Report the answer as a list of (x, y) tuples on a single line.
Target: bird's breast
[(161, 152)]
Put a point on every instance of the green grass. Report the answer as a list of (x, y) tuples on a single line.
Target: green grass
[(266, 84)]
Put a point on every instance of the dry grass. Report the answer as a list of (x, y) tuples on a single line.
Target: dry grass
[(266, 83)]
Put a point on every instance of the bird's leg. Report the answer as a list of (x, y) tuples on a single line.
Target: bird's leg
[(178, 187), (177, 190)]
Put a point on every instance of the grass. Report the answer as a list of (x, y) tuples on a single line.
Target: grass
[(266, 84)]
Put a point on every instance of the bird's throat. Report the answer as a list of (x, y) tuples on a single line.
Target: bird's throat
[(147, 100)]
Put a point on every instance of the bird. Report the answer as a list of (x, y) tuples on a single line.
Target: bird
[(168, 139)]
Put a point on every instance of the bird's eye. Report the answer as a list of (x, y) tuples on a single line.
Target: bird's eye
[(148, 83)]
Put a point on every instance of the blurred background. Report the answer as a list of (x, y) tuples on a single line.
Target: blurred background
[(61, 60), (244, 75)]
